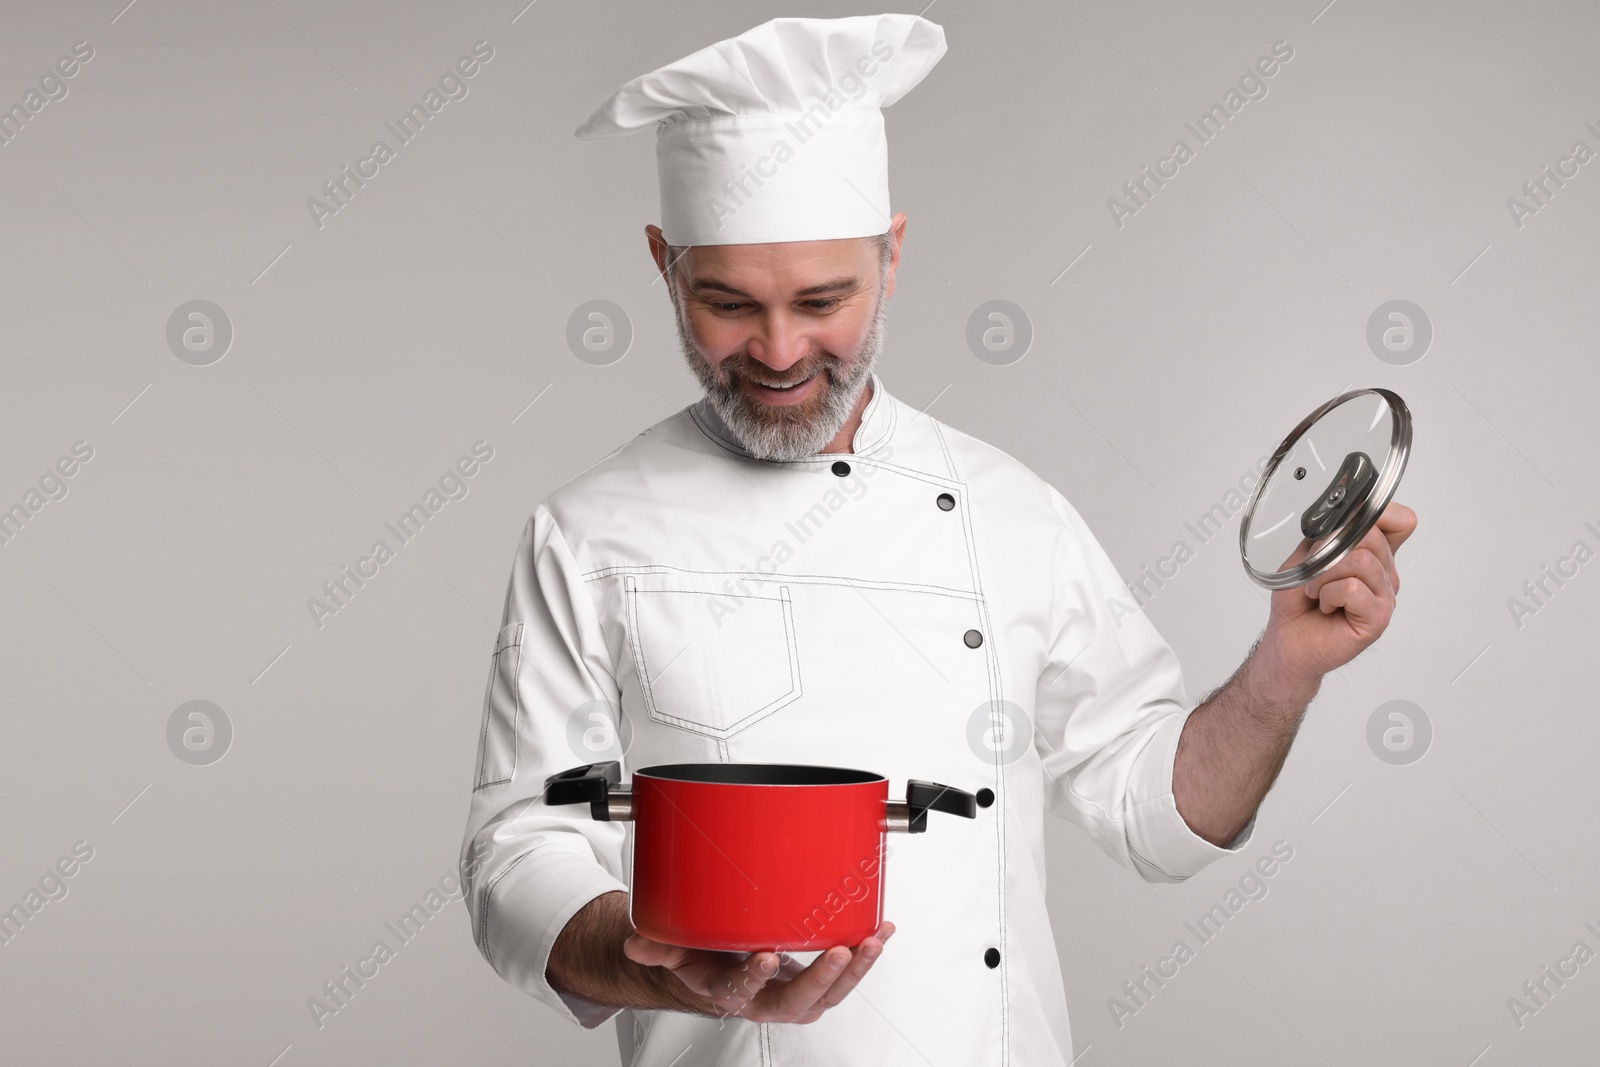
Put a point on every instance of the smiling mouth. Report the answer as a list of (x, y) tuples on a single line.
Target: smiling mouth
[(785, 388)]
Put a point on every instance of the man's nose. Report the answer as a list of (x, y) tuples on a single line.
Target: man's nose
[(780, 341)]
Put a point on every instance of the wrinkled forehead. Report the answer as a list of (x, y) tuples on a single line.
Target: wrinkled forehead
[(779, 268)]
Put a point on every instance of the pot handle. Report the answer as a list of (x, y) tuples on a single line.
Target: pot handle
[(597, 783), (911, 815)]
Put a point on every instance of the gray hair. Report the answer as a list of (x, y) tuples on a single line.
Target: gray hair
[(883, 242)]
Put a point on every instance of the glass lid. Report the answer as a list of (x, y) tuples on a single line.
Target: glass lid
[(1326, 485)]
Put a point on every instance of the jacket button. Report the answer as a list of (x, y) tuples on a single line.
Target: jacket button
[(985, 797), (945, 501), (992, 958), (973, 638), (841, 468)]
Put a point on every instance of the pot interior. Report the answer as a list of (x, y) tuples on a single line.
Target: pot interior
[(759, 774)]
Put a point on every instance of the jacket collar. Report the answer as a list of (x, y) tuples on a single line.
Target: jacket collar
[(877, 425)]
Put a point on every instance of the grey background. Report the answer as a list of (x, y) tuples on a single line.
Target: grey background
[(370, 354)]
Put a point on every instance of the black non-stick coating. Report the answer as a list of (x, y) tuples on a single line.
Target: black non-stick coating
[(759, 774)]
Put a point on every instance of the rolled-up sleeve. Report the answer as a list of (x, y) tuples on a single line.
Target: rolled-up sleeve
[(1107, 716), (527, 868)]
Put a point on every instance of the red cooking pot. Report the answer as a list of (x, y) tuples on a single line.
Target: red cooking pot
[(754, 857)]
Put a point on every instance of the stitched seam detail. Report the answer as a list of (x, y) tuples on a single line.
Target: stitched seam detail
[(516, 711), (776, 576), (893, 413), (1136, 854), (910, 472), (996, 691), (761, 712), (646, 683), (488, 893), (640, 666), (716, 438), (516, 717), (794, 642), (779, 599), (885, 587)]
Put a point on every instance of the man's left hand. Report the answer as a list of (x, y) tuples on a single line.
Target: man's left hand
[(1327, 622)]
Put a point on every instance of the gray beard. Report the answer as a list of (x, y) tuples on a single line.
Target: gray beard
[(783, 434)]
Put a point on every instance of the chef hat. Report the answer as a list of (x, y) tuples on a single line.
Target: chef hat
[(777, 134)]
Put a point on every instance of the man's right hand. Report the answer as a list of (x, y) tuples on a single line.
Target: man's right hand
[(601, 958), (765, 987)]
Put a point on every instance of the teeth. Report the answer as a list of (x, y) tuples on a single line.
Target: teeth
[(785, 388)]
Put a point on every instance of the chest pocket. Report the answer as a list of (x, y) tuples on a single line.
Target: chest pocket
[(713, 663)]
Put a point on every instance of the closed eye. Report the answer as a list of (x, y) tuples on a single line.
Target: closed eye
[(735, 307)]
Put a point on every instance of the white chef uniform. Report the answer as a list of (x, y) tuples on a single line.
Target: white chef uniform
[(872, 610)]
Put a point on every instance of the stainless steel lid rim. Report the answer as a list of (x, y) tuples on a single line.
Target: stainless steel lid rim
[(1338, 543)]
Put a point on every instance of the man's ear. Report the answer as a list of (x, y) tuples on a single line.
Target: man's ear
[(658, 248), (897, 230)]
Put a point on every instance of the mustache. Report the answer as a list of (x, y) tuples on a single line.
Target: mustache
[(729, 370), (746, 366)]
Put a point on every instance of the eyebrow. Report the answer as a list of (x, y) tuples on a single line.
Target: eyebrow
[(836, 285)]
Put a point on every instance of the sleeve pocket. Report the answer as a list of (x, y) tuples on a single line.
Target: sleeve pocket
[(502, 711)]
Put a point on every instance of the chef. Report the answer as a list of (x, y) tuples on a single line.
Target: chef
[(801, 568)]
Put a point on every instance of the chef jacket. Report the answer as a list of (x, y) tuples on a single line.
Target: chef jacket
[(923, 606)]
